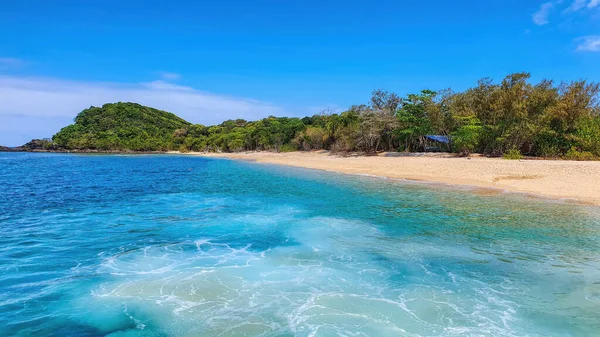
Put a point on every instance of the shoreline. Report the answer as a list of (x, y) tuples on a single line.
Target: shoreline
[(567, 181), (561, 180)]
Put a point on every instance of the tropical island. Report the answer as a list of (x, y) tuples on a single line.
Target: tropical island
[(511, 118), (387, 137), (300, 168)]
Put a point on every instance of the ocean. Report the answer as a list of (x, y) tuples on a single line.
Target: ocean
[(166, 245)]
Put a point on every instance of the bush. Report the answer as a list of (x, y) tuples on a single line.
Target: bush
[(549, 151), (466, 139), (183, 149), (314, 137), (588, 136), (574, 154), (343, 144), (551, 144), (513, 154), (236, 145), (287, 148)]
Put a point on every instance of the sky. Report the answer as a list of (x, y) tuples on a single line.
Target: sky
[(208, 61)]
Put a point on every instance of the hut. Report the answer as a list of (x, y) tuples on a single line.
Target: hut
[(437, 143)]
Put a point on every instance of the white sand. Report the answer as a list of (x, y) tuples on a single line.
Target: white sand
[(578, 181)]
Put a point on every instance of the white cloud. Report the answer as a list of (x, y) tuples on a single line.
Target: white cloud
[(169, 76), (541, 16), (49, 100), (589, 43), (576, 5)]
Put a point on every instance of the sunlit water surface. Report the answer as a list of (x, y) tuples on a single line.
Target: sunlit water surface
[(94, 245)]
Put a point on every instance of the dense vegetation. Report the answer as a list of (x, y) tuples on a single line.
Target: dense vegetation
[(510, 118), (120, 126), (33, 145)]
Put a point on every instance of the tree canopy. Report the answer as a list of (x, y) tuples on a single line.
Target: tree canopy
[(511, 116), (120, 126)]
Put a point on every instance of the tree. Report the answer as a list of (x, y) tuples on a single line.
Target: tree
[(465, 139), (540, 119), (578, 102), (414, 118)]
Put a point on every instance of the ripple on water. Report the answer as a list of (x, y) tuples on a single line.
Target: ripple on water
[(325, 284), (144, 246)]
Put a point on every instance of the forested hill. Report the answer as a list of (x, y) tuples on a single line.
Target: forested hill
[(512, 117), (120, 126)]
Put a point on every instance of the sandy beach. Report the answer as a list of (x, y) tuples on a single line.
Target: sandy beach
[(571, 180)]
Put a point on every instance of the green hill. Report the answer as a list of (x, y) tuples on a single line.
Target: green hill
[(512, 117), (120, 126)]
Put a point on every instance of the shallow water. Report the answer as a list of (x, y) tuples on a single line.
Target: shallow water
[(94, 245)]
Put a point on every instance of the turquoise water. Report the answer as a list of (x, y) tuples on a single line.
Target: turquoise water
[(94, 245)]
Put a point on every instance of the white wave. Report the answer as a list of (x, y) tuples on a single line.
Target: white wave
[(330, 283)]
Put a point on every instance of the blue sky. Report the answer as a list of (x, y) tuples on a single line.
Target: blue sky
[(210, 61)]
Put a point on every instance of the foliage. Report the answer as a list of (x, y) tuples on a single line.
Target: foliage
[(287, 148), (574, 154), (466, 138), (183, 149), (311, 138), (513, 153), (510, 117), (120, 126)]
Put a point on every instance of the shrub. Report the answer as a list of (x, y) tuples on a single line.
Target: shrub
[(588, 136), (574, 154), (549, 151), (287, 148), (513, 154), (183, 149), (551, 144), (315, 137), (466, 139), (236, 145)]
